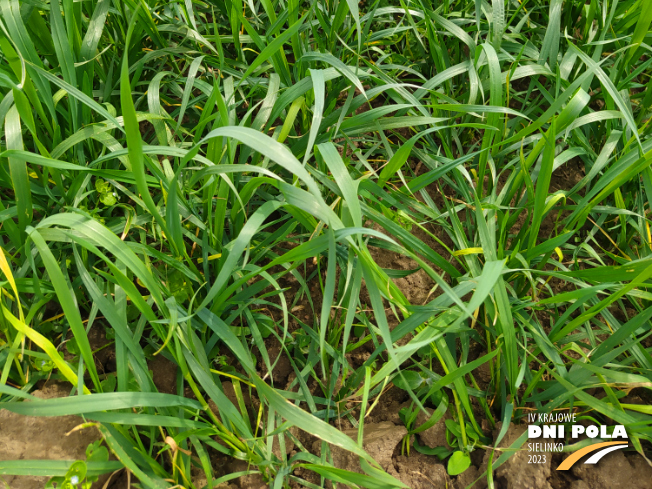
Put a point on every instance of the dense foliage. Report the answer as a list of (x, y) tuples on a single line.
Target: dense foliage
[(200, 180)]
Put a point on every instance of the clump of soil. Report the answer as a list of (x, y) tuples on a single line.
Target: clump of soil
[(379, 440), (615, 471), (420, 471), (435, 436), (41, 438), (517, 473)]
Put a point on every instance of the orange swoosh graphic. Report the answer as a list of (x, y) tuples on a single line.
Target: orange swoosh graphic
[(568, 463)]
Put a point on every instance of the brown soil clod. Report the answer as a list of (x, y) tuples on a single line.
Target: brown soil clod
[(379, 441), (420, 471), (435, 436), (615, 471), (43, 438), (517, 473)]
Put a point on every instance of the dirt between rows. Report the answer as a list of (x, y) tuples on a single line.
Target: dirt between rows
[(54, 438)]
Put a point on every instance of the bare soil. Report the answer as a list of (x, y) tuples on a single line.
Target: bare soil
[(39, 438)]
